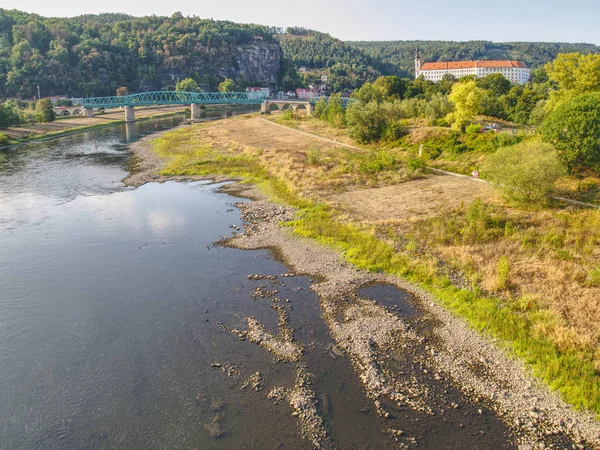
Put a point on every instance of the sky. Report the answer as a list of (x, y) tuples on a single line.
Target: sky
[(458, 20)]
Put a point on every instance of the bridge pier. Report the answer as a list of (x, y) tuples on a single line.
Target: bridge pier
[(89, 112), (130, 135), (195, 111), (129, 114)]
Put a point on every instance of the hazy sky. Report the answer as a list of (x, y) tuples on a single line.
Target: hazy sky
[(506, 20)]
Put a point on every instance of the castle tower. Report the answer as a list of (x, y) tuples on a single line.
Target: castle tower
[(417, 62)]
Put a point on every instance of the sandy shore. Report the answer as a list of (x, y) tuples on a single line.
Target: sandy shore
[(443, 349)]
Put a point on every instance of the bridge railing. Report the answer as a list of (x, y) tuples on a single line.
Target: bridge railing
[(176, 98)]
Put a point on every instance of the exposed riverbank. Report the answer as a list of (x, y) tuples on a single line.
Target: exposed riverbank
[(437, 353)]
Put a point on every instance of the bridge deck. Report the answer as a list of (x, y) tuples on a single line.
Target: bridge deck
[(176, 98), (187, 98)]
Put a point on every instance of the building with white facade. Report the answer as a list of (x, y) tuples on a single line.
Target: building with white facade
[(514, 71)]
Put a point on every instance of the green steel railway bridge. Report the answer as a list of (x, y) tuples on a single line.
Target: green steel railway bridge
[(195, 99)]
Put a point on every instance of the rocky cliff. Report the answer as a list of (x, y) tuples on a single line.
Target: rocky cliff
[(254, 64), (260, 63)]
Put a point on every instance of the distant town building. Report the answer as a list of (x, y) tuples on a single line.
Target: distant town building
[(514, 71), (56, 98), (259, 89), (306, 93)]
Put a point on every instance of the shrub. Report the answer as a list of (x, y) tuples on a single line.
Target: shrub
[(502, 273), (473, 128), (44, 110), (416, 164), (320, 111), (366, 122), (287, 114), (525, 173), (393, 132), (574, 129), (187, 85), (335, 111), (313, 156), (4, 139), (378, 162), (477, 223)]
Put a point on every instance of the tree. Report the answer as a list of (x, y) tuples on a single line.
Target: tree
[(44, 110), (369, 93), (4, 117), (467, 99), (320, 111), (121, 91), (492, 106), (574, 129), (335, 111), (438, 107), (227, 85), (63, 102), (496, 83), (525, 173), (575, 74), (390, 86), (187, 85), (446, 83), (366, 122)]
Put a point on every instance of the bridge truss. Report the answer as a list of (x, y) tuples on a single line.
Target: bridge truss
[(176, 98), (345, 100)]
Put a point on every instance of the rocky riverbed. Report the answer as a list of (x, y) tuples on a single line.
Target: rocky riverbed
[(421, 363)]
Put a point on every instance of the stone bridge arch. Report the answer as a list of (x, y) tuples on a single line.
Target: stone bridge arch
[(286, 105)]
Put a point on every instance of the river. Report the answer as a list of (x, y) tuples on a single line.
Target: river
[(109, 304)]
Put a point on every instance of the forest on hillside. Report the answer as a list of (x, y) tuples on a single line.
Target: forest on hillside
[(95, 54), (401, 54), (346, 67)]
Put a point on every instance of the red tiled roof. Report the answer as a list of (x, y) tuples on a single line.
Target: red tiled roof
[(471, 64)]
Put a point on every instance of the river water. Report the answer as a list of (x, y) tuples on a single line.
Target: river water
[(110, 305)]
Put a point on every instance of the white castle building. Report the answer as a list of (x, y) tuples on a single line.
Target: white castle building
[(514, 71)]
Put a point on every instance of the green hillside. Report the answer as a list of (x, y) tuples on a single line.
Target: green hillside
[(347, 67), (401, 54), (95, 54)]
